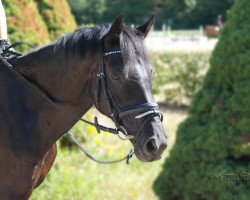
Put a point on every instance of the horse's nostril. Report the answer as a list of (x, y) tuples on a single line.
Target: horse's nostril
[(162, 147), (151, 146)]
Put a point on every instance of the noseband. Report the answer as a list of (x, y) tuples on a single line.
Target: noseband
[(146, 109)]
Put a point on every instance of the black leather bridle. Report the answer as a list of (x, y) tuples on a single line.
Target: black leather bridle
[(145, 109)]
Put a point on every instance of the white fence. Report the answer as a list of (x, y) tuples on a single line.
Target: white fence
[(179, 41)]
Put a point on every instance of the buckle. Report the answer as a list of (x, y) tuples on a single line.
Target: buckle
[(100, 75), (97, 125), (124, 135)]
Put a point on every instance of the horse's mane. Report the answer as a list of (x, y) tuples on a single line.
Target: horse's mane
[(83, 42)]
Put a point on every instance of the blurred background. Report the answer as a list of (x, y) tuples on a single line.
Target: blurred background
[(188, 47)]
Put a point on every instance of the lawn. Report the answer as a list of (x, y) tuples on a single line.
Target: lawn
[(74, 177)]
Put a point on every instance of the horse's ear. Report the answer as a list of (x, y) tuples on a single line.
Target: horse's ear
[(145, 28), (115, 30)]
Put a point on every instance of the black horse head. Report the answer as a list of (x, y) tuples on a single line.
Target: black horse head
[(128, 88)]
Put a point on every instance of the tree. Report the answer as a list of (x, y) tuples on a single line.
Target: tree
[(206, 11), (37, 22), (134, 11), (176, 13), (193, 13), (103, 11), (24, 22), (78, 8), (88, 12), (210, 159), (57, 16)]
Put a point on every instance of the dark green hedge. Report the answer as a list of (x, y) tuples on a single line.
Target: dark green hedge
[(210, 159)]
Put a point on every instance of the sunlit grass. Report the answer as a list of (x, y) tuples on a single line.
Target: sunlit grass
[(74, 177)]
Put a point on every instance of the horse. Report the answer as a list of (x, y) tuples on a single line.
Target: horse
[(105, 66), (212, 31)]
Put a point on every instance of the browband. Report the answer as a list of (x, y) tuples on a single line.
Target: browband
[(111, 53)]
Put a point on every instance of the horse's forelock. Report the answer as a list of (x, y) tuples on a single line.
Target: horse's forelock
[(132, 44)]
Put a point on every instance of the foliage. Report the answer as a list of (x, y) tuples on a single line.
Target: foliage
[(104, 11), (210, 159), (136, 14), (206, 11), (88, 12), (24, 22), (57, 16), (178, 75), (37, 22), (176, 13), (194, 13), (78, 7)]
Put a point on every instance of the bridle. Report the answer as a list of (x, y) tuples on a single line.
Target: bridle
[(143, 110), (116, 114)]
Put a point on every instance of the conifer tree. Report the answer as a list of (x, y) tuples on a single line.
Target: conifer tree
[(25, 22), (210, 159), (57, 16)]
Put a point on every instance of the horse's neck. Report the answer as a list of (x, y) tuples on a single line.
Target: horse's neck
[(59, 76), (65, 81)]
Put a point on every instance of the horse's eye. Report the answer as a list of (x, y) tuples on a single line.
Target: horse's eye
[(115, 75), (119, 75), (116, 72)]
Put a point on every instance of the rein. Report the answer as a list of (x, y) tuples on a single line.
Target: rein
[(127, 158)]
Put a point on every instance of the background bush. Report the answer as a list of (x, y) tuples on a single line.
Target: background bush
[(179, 75), (210, 159), (37, 21), (57, 17), (25, 22)]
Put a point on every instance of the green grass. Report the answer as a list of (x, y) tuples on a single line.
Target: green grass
[(74, 177)]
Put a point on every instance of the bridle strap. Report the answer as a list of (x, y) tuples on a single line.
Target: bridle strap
[(102, 78), (137, 109), (145, 109), (146, 122), (96, 92)]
